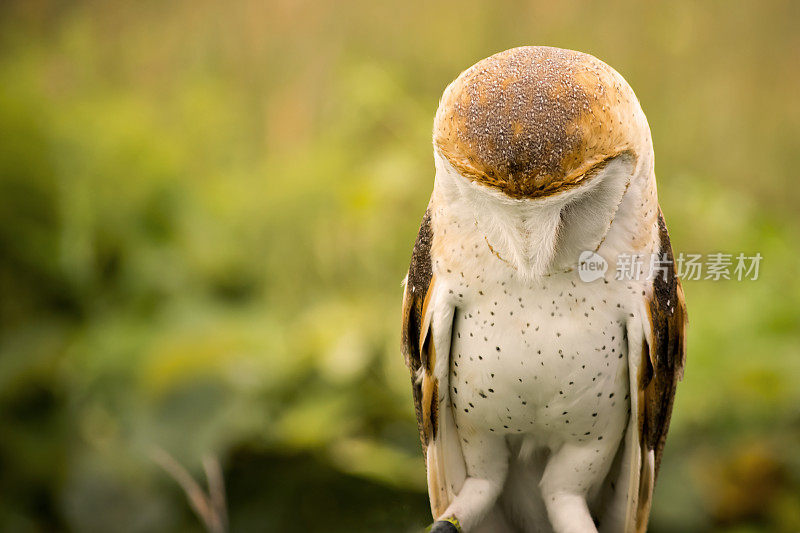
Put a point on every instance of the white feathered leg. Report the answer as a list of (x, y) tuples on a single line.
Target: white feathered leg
[(570, 474), (486, 457)]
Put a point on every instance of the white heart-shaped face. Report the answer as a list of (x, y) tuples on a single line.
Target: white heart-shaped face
[(536, 236)]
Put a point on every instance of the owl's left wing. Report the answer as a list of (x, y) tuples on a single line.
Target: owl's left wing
[(656, 358), (426, 331), (665, 349)]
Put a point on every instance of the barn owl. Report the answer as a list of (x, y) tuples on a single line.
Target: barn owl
[(542, 395)]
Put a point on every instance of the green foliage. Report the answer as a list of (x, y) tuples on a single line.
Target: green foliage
[(206, 210)]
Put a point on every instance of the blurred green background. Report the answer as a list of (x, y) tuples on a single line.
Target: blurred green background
[(206, 209)]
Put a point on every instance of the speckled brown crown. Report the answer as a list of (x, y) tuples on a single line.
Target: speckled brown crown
[(535, 120)]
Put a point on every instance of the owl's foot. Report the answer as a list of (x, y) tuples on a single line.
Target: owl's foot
[(448, 525)]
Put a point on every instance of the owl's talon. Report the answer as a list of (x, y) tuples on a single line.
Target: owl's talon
[(449, 525)]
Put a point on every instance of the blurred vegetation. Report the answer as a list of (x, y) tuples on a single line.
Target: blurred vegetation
[(206, 209)]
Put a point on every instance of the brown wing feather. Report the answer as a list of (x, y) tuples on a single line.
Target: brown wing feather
[(417, 350), (663, 359), (667, 349)]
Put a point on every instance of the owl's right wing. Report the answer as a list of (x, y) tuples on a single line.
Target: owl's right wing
[(656, 358), (426, 330)]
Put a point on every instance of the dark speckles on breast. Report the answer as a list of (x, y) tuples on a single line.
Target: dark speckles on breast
[(556, 395)]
